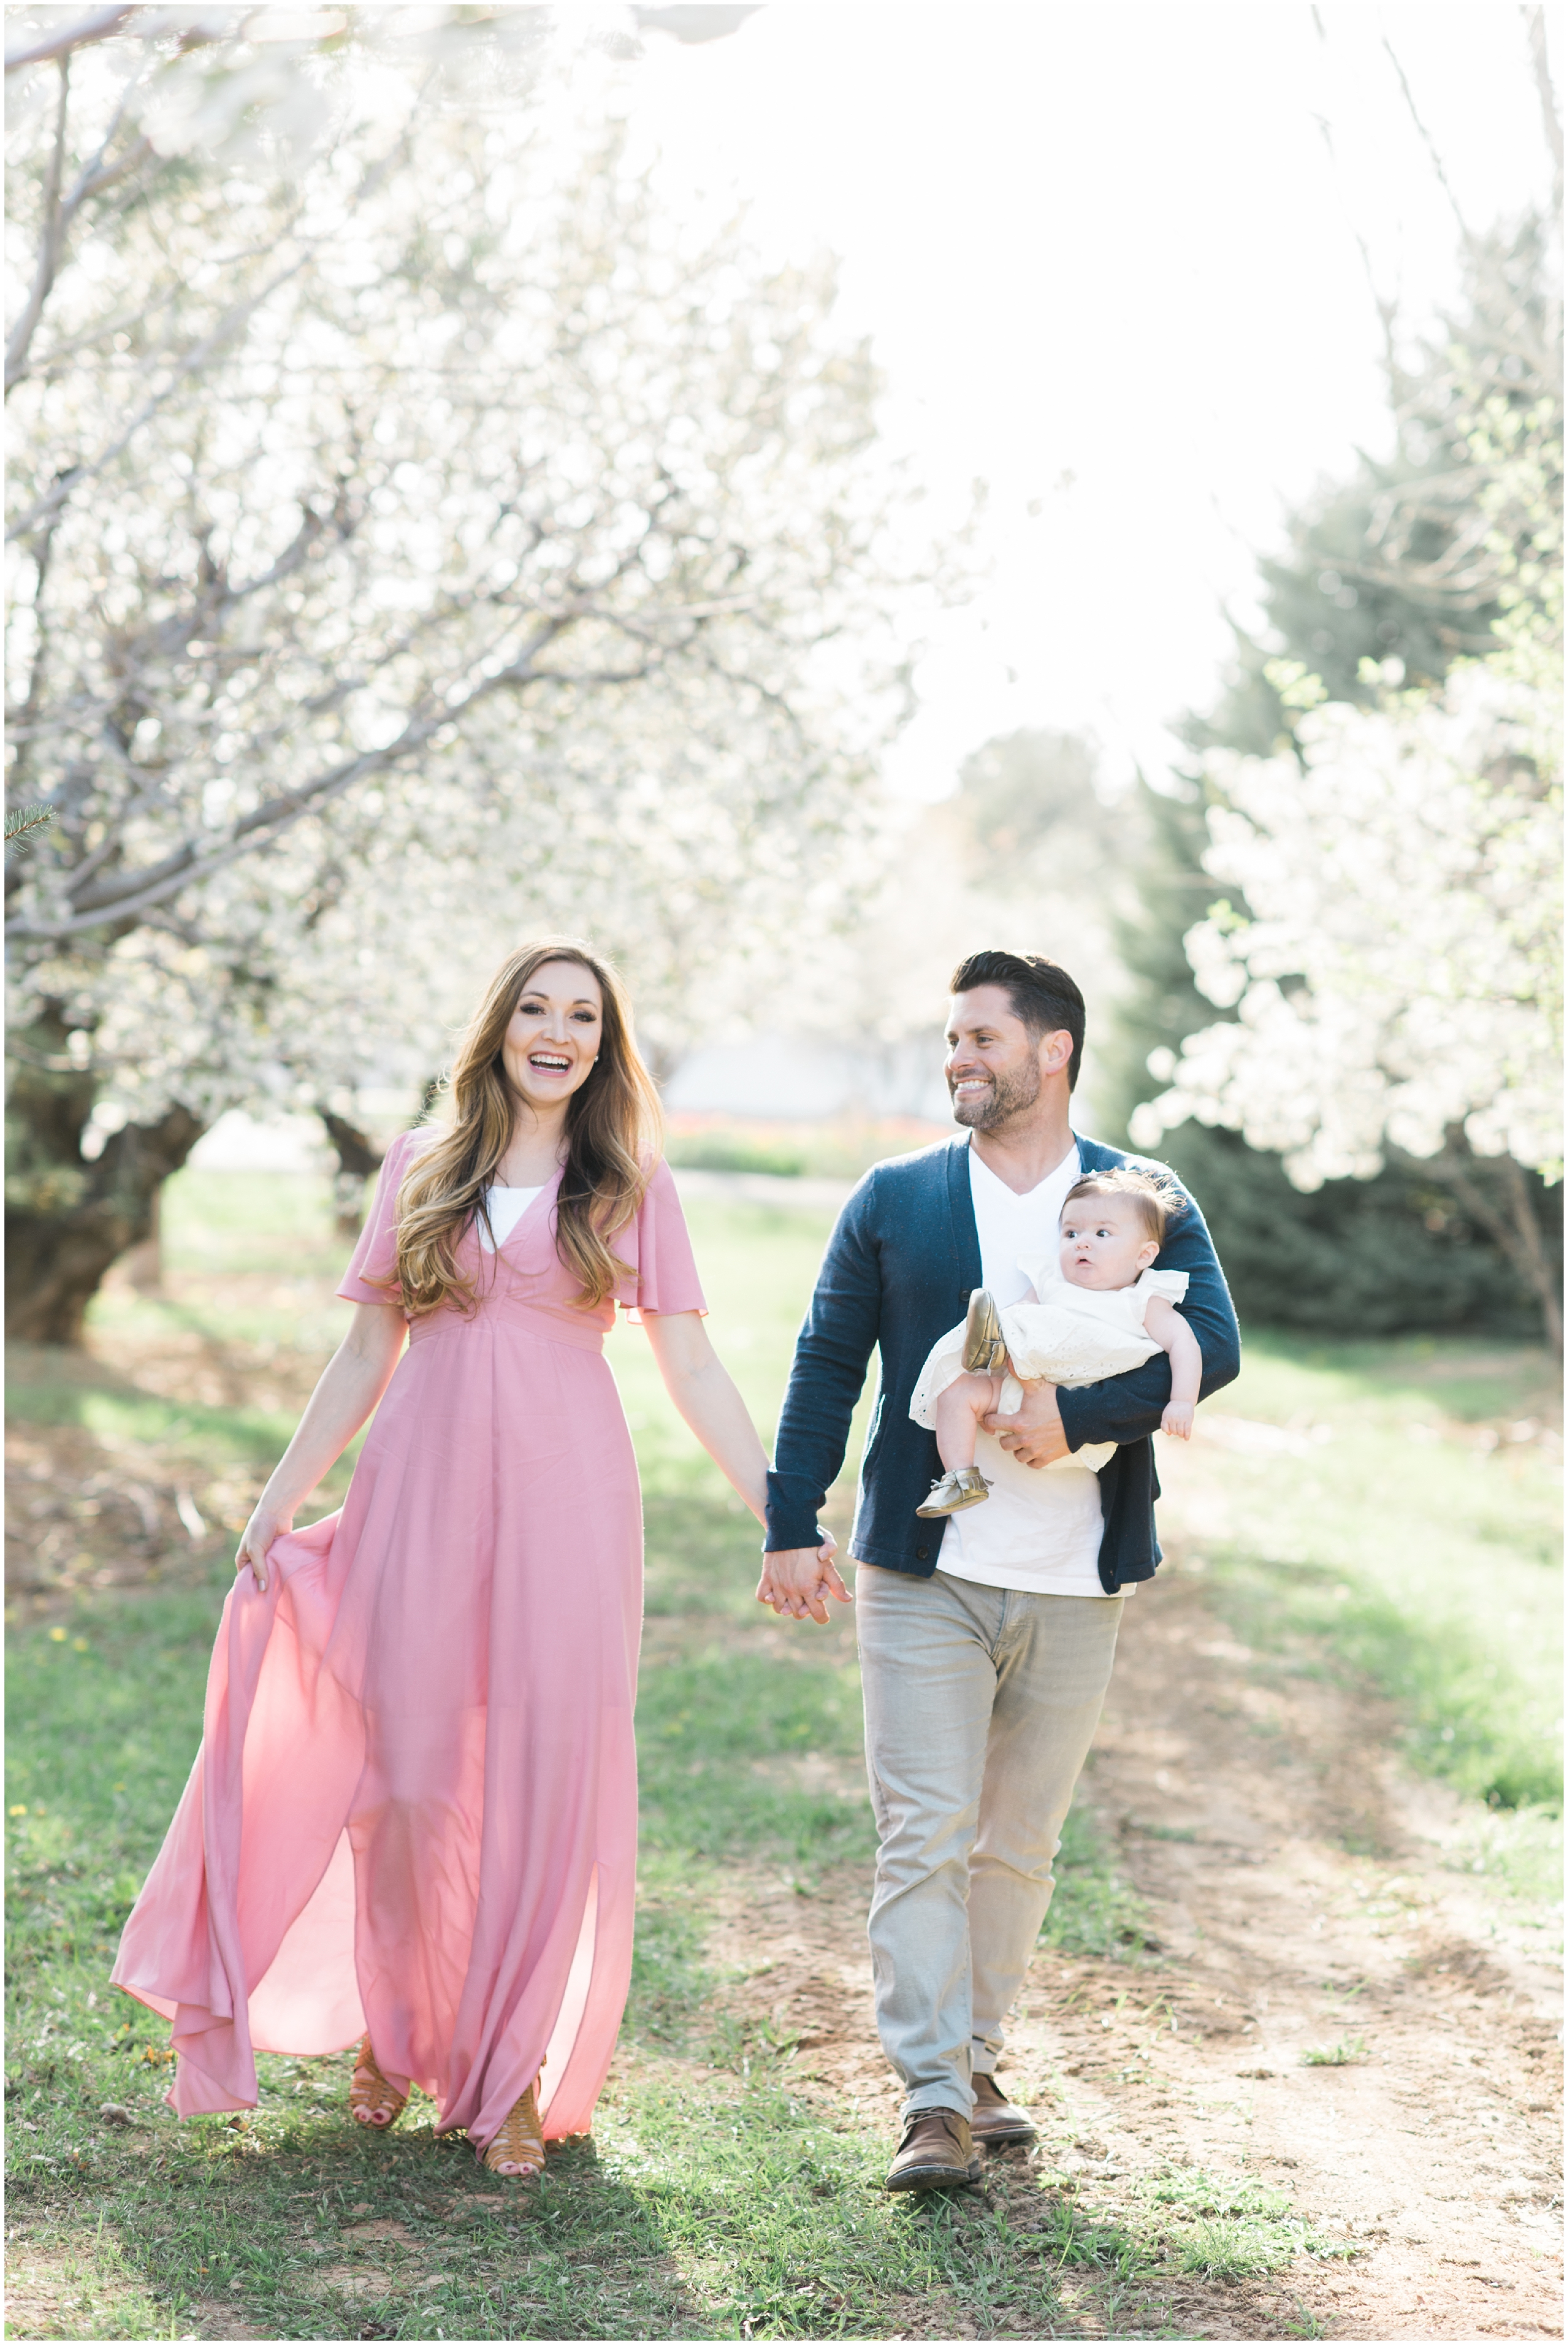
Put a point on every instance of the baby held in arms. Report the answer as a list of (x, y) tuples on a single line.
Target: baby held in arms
[(1101, 1309)]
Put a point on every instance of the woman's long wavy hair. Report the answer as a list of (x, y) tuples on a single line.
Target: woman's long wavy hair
[(615, 1129)]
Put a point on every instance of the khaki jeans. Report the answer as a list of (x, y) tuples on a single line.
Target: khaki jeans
[(980, 1707)]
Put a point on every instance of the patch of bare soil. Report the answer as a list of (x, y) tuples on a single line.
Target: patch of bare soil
[(86, 1510), (38, 2293), (78, 1518), (1426, 2161)]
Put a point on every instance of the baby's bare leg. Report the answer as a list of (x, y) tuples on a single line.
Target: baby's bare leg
[(959, 1409)]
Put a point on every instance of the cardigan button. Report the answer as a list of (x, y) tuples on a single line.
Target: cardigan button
[(921, 1554)]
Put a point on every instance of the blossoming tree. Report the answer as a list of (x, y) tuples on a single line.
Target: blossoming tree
[(416, 535), (1396, 975)]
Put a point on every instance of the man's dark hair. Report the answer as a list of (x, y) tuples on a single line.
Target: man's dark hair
[(1041, 993)]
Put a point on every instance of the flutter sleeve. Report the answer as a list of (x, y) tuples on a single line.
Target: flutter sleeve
[(1171, 1284), (660, 1251), (376, 1256)]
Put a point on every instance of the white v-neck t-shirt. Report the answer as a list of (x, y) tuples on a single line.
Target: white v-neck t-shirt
[(1037, 1531), (506, 1208)]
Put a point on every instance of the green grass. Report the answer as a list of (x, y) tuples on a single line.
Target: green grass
[(700, 2208), (1344, 2053), (1095, 1910), (272, 1224), (1409, 1545), (728, 1152), (1224, 2227), (254, 1436), (716, 1733), (720, 2197)]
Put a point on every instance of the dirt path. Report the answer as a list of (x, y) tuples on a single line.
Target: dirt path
[(1431, 2157)]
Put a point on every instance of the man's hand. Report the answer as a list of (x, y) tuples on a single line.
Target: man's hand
[(1036, 1435), (797, 1580)]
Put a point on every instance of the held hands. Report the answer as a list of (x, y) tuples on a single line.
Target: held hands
[(797, 1580), (1177, 1419), (266, 1525), (1035, 1435)]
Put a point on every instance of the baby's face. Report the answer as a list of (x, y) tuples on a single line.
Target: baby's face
[(1105, 1242)]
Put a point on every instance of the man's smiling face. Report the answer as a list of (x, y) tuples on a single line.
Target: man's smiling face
[(995, 1066)]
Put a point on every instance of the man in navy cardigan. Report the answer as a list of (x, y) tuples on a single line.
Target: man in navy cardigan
[(986, 1643)]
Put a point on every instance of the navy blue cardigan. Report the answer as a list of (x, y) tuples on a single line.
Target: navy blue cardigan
[(899, 1269)]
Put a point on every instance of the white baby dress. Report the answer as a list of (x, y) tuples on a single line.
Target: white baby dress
[(1070, 1335)]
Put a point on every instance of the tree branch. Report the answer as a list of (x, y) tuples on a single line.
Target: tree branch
[(1535, 26), (193, 360), (1429, 144), (49, 244), (79, 36), (133, 893)]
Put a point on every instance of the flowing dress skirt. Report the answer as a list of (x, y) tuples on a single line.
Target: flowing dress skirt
[(414, 1807)]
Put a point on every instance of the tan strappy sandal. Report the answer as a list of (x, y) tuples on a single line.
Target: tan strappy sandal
[(521, 2141), (371, 2100)]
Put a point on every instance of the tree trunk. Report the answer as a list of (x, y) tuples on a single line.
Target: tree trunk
[(143, 1265), (68, 1219), (1513, 1227), (357, 1158)]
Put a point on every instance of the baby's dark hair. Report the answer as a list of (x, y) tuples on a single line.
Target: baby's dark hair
[(1159, 1201)]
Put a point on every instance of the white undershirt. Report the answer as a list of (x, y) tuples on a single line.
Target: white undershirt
[(1037, 1530), (506, 1208)]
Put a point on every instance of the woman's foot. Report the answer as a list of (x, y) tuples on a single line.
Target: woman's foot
[(966, 1486), (518, 2149), (371, 2100)]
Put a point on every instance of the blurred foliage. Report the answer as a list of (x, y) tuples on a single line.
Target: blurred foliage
[(1392, 563), (1418, 560), (1394, 1253), (1032, 790)]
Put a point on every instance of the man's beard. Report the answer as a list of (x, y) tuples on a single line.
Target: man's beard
[(1008, 1096)]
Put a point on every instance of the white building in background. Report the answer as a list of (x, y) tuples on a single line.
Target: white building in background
[(785, 1077)]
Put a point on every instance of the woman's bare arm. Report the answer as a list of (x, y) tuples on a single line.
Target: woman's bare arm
[(704, 1392), (1172, 1334), (352, 1382)]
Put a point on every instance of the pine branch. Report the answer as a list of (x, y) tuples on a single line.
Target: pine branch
[(23, 822)]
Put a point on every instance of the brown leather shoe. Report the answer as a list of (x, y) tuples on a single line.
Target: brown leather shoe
[(935, 2153), (994, 2121)]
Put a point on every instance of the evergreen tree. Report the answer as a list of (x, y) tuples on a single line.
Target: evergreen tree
[(1399, 564)]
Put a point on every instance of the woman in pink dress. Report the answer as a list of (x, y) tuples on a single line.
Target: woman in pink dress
[(414, 1817)]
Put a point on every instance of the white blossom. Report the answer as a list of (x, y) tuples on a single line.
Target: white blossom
[(430, 543), (1397, 972)]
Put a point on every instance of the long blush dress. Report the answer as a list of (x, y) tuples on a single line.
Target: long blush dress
[(414, 1809)]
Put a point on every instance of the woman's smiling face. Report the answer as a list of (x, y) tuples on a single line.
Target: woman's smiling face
[(555, 1034)]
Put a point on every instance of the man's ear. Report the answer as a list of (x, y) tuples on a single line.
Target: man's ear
[(1056, 1053)]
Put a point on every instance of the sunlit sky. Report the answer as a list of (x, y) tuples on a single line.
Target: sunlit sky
[(1109, 258)]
